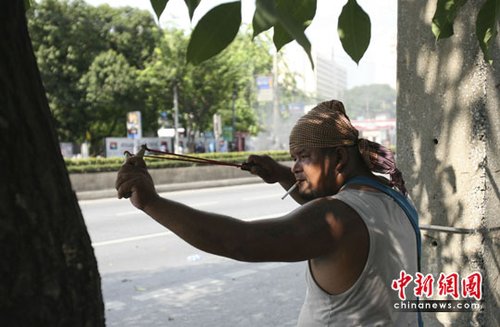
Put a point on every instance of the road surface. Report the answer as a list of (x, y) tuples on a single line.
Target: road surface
[(150, 277)]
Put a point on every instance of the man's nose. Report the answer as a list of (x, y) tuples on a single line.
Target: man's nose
[(296, 166)]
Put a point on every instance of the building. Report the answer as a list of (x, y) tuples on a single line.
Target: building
[(330, 79), (327, 81)]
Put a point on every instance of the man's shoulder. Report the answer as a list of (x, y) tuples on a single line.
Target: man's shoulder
[(333, 210)]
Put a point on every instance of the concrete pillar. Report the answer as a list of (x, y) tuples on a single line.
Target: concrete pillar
[(448, 148)]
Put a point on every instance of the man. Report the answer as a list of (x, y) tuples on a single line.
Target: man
[(355, 238)]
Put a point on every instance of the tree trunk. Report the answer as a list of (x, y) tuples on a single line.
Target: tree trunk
[(48, 274)]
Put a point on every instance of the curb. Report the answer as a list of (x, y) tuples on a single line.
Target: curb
[(111, 193)]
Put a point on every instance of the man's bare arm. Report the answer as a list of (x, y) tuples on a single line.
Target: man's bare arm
[(305, 233)]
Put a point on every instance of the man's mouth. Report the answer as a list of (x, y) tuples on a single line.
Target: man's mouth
[(301, 183), (300, 179)]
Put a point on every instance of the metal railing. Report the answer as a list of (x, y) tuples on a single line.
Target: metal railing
[(458, 230)]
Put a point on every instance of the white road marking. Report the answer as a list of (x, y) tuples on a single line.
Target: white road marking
[(274, 215), (202, 204), (153, 295), (128, 213), (138, 212), (260, 197), (198, 287), (241, 273), (188, 289), (114, 305), (201, 282), (154, 235), (131, 239)]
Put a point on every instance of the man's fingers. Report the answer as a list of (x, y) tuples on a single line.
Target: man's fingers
[(247, 166), (135, 161), (131, 175), (126, 172), (127, 176), (255, 159), (129, 169), (259, 171), (255, 164), (125, 188)]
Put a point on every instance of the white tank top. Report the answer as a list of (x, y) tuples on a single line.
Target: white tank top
[(370, 301)]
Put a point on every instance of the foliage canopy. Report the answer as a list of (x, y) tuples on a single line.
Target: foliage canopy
[(98, 63), (290, 18)]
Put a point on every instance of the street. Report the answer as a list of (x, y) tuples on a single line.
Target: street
[(150, 277)]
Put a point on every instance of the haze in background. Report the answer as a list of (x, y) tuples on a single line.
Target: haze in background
[(378, 66)]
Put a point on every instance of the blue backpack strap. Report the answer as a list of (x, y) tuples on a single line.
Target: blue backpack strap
[(400, 199), (407, 207)]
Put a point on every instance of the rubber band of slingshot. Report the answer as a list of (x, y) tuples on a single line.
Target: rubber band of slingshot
[(182, 157)]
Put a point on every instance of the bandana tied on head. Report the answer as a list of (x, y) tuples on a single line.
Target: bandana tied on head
[(327, 126)]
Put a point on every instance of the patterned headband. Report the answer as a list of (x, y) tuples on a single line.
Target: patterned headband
[(327, 125)]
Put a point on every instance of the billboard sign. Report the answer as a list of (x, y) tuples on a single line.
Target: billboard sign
[(264, 88), (134, 126), (116, 146)]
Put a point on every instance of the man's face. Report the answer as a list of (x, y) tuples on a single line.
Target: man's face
[(315, 170)]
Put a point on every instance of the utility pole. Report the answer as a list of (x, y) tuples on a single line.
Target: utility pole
[(235, 93), (176, 119), (275, 99)]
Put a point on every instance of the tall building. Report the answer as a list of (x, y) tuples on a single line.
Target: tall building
[(331, 79), (327, 81)]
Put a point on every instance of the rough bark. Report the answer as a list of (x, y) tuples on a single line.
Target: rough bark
[(48, 274)]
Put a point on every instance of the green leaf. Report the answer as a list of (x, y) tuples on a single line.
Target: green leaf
[(27, 4), (444, 16), (281, 36), (486, 26), (301, 12), (294, 28), (262, 19), (214, 32), (159, 6), (354, 30), (192, 5)]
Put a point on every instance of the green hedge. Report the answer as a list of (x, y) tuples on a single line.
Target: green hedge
[(92, 165)]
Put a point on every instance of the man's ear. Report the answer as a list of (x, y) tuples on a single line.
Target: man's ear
[(342, 158)]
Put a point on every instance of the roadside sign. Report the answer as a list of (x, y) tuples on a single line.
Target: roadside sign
[(264, 88), (134, 126)]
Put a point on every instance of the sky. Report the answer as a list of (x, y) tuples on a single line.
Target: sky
[(377, 66)]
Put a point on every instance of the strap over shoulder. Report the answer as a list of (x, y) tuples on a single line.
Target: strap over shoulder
[(400, 199), (407, 207)]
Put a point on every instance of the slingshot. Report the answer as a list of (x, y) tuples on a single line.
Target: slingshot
[(157, 154)]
